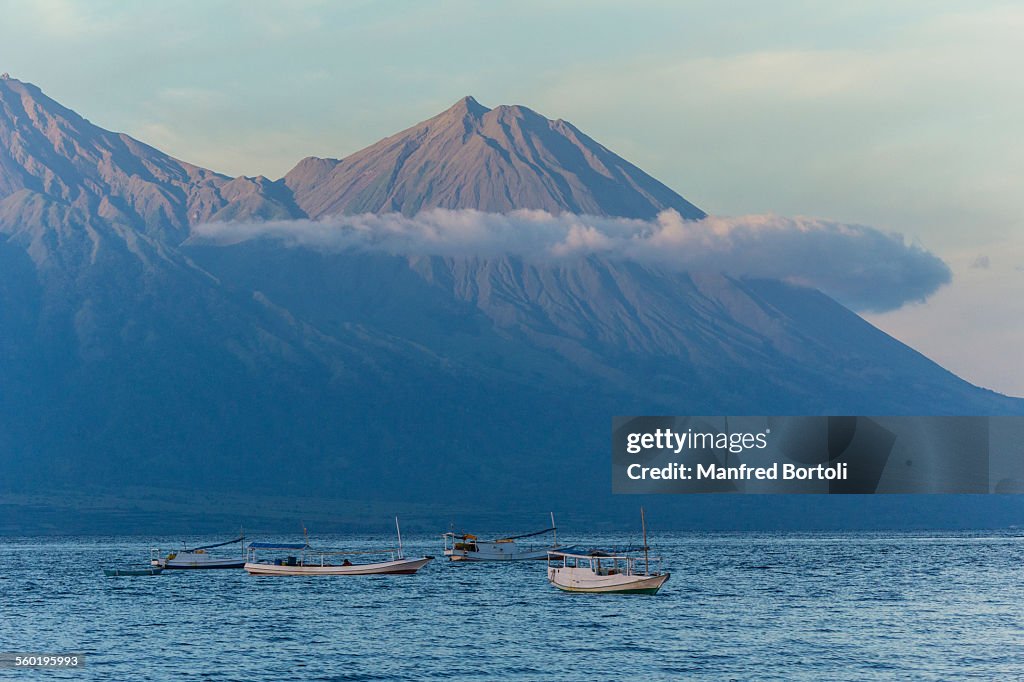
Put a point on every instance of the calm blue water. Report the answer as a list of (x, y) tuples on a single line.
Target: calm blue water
[(739, 606)]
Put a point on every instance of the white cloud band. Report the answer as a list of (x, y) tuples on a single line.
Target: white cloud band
[(862, 267)]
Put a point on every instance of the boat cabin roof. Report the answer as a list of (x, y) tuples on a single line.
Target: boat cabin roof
[(464, 536), (594, 554), (277, 545), (470, 536)]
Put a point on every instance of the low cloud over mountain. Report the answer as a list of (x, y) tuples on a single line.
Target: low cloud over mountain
[(862, 267), (457, 311)]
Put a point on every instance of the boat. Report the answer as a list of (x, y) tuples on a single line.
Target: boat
[(468, 547), (145, 570), (605, 572), (307, 561), (197, 557)]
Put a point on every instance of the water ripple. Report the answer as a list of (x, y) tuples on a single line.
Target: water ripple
[(739, 606)]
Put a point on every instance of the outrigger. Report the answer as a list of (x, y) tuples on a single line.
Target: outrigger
[(308, 561), (131, 571), (197, 557), (468, 547)]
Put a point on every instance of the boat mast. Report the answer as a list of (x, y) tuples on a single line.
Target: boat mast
[(401, 555), (554, 528), (643, 524)]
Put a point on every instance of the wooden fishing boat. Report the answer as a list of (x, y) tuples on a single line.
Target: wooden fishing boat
[(308, 561), (602, 572), (118, 572), (198, 557), (468, 547), (317, 563), (605, 572)]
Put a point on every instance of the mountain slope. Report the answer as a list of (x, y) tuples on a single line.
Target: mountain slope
[(124, 363), (655, 341), (132, 355), (49, 149), (498, 160)]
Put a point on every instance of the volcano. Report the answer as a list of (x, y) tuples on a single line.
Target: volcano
[(132, 355), (496, 160)]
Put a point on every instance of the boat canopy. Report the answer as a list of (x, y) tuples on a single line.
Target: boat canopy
[(240, 538), (277, 545), (619, 552), (530, 535), (590, 554)]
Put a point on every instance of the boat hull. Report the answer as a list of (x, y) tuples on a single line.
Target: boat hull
[(179, 564), (460, 555), (493, 551), (397, 567), (611, 584)]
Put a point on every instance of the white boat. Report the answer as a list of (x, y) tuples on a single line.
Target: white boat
[(603, 572), (317, 563), (197, 557), (308, 561), (468, 547)]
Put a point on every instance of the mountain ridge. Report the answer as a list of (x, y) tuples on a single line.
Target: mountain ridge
[(51, 150), (133, 356), (498, 160)]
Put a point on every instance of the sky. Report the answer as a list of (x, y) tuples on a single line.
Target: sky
[(907, 117)]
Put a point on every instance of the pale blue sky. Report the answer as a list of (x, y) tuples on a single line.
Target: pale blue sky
[(905, 116)]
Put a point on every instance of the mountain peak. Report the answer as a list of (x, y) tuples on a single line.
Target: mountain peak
[(30, 91), (53, 152), (465, 107), (468, 156), (497, 160)]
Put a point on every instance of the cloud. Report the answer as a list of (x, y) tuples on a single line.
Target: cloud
[(839, 119), (862, 267), (981, 263)]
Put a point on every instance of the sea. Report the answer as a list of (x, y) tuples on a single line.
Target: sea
[(738, 606)]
